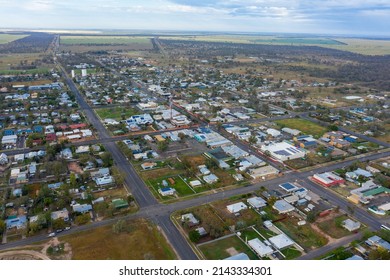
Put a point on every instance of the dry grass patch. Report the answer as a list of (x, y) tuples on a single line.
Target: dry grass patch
[(142, 241)]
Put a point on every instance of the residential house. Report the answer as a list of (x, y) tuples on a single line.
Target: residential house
[(236, 207)]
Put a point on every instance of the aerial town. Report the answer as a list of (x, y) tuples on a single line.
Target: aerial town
[(214, 147)]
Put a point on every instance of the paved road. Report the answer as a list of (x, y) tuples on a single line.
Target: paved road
[(133, 182)]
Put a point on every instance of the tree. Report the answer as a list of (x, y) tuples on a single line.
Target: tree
[(58, 224), (72, 179), (118, 175), (2, 226), (107, 159), (162, 146), (252, 139), (83, 219), (194, 236), (379, 254), (311, 217)]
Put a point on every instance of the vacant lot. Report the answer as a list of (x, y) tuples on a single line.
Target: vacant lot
[(6, 38), (142, 241), (224, 248), (307, 127), (303, 235), (333, 227), (118, 113)]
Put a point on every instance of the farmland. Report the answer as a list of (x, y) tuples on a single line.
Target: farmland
[(6, 38), (355, 45), (104, 40)]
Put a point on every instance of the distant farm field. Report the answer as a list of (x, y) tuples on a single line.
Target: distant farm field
[(361, 46), (365, 46), (104, 40), (275, 40), (307, 127), (140, 241), (6, 38)]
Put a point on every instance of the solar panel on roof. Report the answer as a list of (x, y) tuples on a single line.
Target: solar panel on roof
[(288, 186)]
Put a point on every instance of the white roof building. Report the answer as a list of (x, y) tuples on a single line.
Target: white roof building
[(9, 140), (351, 225), (283, 206), (259, 172), (260, 248), (273, 132), (256, 202), (283, 151), (236, 207), (281, 241), (291, 131)]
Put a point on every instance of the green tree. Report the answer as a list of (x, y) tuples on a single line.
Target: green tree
[(119, 175), (2, 226), (163, 146), (252, 139), (58, 224), (83, 219), (194, 236), (107, 159), (72, 179)]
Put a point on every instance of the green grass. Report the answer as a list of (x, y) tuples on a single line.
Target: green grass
[(7, 38), (180, 186), (104, 40), (291, 253), (249, 234), (116, 113), (217, 250), (303, 235), (307, 127)]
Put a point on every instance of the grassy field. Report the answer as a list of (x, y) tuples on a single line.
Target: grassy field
[(143, 241), (307, 127), (218, 250), (305, 236), (116, 113), (6, 38), (180, 186), (104, 40), (7, 60)]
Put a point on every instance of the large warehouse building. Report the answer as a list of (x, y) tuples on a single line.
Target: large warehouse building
[(283, 151)]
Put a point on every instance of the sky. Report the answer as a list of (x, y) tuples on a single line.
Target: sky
[(348, 17)]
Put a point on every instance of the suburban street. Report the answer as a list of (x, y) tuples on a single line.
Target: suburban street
[(160, 214)]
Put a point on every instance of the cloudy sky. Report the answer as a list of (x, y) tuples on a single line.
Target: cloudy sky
[(365, 17)]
